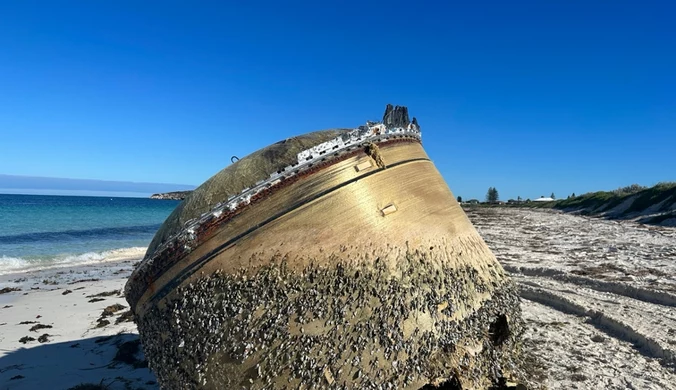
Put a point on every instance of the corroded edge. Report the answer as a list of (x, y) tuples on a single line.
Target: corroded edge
[(310, 161)]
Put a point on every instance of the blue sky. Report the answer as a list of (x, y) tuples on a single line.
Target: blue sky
[(528, 97)]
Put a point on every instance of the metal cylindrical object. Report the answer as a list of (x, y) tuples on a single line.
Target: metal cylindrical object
[(336, 259)]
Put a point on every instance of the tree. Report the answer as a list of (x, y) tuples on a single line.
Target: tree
[(459, 199), (492, 195), (572, 196), (552, 196), (518, 198)]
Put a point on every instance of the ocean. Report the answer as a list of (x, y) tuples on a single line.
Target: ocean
[(42, 231)]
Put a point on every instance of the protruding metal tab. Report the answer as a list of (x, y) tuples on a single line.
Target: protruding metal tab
[(389, 209)]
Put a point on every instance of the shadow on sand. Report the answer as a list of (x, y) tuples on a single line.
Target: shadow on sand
[(114, 362)]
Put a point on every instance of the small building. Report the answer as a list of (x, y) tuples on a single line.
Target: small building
[(543, 199)]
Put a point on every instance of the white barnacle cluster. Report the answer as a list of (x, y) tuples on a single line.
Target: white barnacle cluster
[(249, 320)]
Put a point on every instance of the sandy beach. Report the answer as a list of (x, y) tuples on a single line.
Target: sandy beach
[(599, 298), (63, 327)]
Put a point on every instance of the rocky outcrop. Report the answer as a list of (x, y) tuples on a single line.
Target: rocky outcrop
[(396, 116), (177, 195)]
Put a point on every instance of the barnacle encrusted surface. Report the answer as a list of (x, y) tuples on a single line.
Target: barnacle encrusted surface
[(337, 260), (338, 326)]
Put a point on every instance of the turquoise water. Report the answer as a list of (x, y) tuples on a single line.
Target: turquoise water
[(38, 231)]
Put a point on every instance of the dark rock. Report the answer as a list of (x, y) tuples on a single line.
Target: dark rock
[(44, 338), (8, 290), (395, 116), (26, 339)]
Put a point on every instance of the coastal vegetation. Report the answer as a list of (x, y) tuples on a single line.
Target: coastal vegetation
[(654, 205)]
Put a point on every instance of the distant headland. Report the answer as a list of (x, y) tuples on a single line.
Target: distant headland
[(176, 195)]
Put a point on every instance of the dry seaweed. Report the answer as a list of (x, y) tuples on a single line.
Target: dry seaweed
[(105, 294), (26, 339), (37, 327), (85, 280), (101, 323), (127, 316), (112, 309)]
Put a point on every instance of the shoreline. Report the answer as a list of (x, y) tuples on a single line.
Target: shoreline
[(565, 264), (63, 327), (88, 259)]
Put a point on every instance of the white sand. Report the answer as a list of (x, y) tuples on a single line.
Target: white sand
[(599, 295), (76, 350), (601, 308)]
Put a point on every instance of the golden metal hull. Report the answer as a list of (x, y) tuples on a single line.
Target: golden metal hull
[(353, 276)]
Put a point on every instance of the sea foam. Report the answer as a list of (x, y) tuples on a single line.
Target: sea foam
[(9, 265)]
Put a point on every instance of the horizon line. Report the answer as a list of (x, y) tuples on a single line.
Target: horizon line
[(7, 175)]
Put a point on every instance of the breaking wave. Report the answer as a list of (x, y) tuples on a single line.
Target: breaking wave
[(10, 265)]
